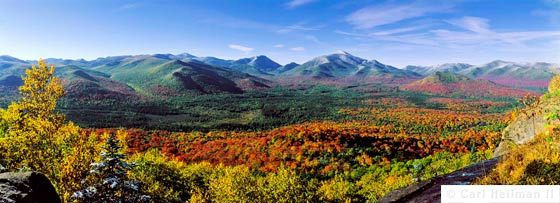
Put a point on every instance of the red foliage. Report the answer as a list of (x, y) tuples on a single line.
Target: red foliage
[(379, 135)]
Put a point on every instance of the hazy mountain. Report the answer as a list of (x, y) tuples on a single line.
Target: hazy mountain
[(344, 65), (79, 83), (214, 61), (7, 62), (58, 61), (453, 84), (185, 74), (514, 74), (447, 67), (132, 77), (9, 59), (156, 75), (287, 67), (257, 65), (501, 72)]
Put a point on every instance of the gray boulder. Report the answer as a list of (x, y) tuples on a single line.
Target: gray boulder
[(430, 190), (527, 125), (27, 187)]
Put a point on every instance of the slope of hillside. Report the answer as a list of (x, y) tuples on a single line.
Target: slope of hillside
[(453, 84), (80, 83), (154, 76), (287, 67), (89, 85)]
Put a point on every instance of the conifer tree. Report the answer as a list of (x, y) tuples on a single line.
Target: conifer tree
[(109, 181)]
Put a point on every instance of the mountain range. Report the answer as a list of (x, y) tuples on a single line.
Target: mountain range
[(147, 76), (501, 72), (453, 84)]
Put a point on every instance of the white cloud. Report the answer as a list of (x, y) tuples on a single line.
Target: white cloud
[(399, 30), (302, 26), (479, 32), (298, 49), (374, 16), (552, 2), (312, 38), (474, 31), (415, 38), (350, 33), (474, 24), (296, 3), (241, 48), (279, 46), (129, 6)]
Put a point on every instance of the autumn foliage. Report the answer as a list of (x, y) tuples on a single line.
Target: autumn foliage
[(554, 84), (386, 143), (34, 136)]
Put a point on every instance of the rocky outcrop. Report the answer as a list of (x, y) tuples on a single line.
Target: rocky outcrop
[(430, 190), (28, 187), (527, 124)]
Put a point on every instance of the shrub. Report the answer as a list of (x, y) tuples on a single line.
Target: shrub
[(554, 84)]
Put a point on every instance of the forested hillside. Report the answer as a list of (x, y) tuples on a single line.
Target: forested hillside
[(382, 142)]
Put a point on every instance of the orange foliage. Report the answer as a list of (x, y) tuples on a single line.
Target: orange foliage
[(376, 136)]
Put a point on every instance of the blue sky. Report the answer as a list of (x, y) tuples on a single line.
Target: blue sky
[(393, 32)]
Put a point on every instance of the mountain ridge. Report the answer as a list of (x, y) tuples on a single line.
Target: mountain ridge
[(258, 72), (454, 84), (345, 66)]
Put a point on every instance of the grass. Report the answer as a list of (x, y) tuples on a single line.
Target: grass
[(536, 162), (532, 163)]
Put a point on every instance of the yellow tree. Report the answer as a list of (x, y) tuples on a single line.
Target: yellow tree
[(32, 133)]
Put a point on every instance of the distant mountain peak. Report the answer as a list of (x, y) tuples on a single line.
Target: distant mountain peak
[(186, 55), (446, 67), (342, 52), (500, 61), (292, 64), (262, 58), (11, 59)]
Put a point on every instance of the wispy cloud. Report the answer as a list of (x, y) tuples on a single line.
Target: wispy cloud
[(373, 16), (393, 36), (473, 31), (241, 48), (296, 3), (478, 31), (299, 27), (400, 30), (298, 49), (313, 38), (474, 24), (232, 22), (297, 30), (129, 6), (551, 11), (279, 46), (350, 33)]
